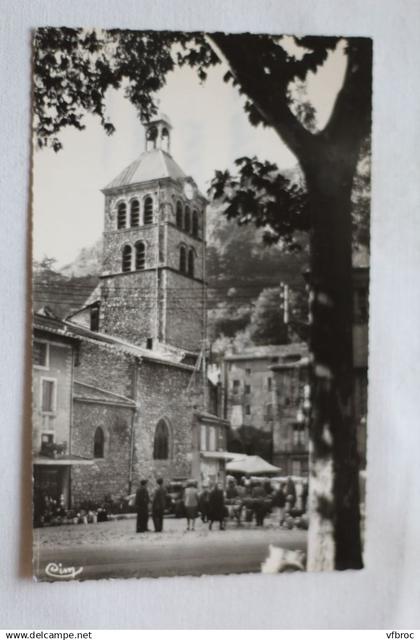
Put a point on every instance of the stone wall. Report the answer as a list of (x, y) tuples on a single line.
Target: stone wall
[(100, 366), (108, 475), (157, 301), (115, 240), (184, 317), (128, 306), (175, 238), (143, 304), (162, 393)]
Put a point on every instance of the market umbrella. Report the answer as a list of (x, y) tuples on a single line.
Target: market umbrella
[(251, 465)]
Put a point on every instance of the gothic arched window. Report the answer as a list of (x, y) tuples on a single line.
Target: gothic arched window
[(135, 214), (98, 443), (195, 224), (148, 210), (122, 215), (161, 441), (191, 263), (187, 220), (179, 215), (126, 258), (140, 255), (182, 259)]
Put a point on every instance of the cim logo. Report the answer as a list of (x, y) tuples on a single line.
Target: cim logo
[(56, 570)]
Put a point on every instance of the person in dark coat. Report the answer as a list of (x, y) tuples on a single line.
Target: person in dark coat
[(217, 507), (305, 492), (279, 503), (158, 505), (203, 504), (142, 507), (259, 495), (291, 492)]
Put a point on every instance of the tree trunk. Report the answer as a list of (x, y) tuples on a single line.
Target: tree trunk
[(334, 532)]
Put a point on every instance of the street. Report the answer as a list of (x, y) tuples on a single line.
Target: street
[(114, 550)]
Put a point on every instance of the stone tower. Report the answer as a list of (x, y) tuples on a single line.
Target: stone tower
[(153, 281)]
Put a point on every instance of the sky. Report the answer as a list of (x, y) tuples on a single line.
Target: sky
[(210, 130)]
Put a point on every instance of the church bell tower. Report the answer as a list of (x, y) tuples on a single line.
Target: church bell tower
[(153, 287)]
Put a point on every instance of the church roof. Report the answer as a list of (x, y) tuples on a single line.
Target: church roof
[(170, 356), (159, 117), (88, 392), (151, 165)]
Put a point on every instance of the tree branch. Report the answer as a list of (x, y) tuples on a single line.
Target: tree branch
[(242, 55)]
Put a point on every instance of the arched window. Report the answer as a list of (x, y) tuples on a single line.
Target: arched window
[(187, 220), (98, 443), (195, 224), (135, 214), (148, 210), (165, 139), (140, 255), (122, 215), (182, 260), (191, 263), (161, 441), (151, 136), (179, 215), (126, 258)]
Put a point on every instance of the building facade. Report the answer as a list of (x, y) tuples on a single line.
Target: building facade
[(259, 407), (139, 397), (267, 396), (292, 393), (54, 356)]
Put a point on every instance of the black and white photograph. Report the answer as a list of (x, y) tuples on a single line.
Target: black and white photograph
[(200, 302)]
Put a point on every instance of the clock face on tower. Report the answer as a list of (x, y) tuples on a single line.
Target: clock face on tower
[(189, 190)]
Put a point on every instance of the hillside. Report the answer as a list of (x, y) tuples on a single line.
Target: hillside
[(63, 294), (87, 263)]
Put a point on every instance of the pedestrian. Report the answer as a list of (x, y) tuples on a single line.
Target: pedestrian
[(231, 497), (248, 501), (158, 505), (241, 491), (239, 503), (142, 507), (217, 507), (279, 502), (268, 488), (305, 492), (203, 504), (231, 490), (291, 492), (258, 495), (191, 504)]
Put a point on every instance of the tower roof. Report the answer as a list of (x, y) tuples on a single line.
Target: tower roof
[(159, 117), (151, 165)]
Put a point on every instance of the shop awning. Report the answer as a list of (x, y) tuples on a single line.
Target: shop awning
[(251, 465), (214, 455)]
